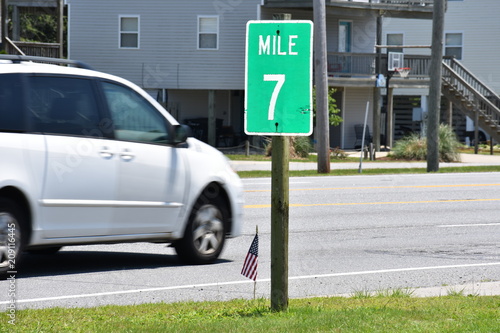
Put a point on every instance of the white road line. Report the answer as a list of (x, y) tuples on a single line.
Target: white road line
[(135, 291), (395, 270), (269, 183), (468, 225)]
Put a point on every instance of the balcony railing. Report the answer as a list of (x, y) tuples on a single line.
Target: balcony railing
[(383, 2), (364, 64), (351, 64), (420, 9), (392, 2)]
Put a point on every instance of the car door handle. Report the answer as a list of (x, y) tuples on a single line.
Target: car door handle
[(126, 155), (106, 153)]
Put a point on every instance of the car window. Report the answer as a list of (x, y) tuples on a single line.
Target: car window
[(11, 116), (134, 118), (64, 105)]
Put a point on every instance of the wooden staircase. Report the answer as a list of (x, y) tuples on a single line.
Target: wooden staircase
[(472, 97)]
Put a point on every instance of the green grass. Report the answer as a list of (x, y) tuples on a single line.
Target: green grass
[(371, 314), (351, 172), (394, 293)]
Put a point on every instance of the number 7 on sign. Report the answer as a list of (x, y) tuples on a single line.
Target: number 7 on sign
[(280, 80)]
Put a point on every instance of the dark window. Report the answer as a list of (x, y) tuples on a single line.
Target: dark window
[(11, 115), (395, 39), (134, 118), (64, 105)]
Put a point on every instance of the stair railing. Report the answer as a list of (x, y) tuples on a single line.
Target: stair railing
[(474, 81), (481, 98)]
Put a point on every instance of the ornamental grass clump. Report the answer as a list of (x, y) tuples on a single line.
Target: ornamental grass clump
[(411, 147), (300, 147), (414, 147), (449, 146)]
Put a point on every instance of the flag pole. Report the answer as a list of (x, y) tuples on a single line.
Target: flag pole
[(255, 281), (360, 169)]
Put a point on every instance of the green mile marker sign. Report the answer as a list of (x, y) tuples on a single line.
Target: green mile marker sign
[(278, 78)]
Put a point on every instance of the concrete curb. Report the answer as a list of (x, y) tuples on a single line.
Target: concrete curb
[(467, 160)]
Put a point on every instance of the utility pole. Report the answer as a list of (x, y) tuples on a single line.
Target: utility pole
[(60, 27), (4, 24), (212, 119), (435, 86), (321, 81), (377, 93), (280, 204)]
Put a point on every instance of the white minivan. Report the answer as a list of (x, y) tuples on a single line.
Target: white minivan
[(90, 158)]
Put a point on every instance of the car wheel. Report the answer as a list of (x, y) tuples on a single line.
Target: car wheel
[(12, 236), (205, 233)]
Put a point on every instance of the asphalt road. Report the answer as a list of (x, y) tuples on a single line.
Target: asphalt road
[(347, 234)]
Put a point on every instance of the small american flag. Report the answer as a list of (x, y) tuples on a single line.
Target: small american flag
[(249, 269)]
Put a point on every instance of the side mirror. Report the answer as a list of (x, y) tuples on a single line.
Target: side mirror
[(181, 133)]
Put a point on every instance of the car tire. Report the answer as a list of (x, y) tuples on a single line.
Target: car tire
[(13, 236), (205, 232)]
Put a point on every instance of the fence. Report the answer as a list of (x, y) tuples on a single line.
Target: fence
[(51, 50), (364, 64)]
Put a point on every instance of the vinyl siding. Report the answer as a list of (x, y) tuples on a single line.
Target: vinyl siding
[(168, 56), (363, 34), (355, 107)]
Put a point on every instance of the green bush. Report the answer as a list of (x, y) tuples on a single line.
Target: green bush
[(333, 111), (414, 147)]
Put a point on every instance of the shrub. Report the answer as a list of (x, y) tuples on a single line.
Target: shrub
[(300, 147), (414, 147), (338, 154), (333, 111), (411, 147), (449, 145)]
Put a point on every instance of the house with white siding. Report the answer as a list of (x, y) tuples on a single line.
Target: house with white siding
[(190, 54), (470, 36)]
